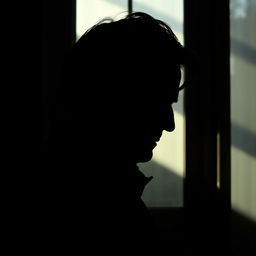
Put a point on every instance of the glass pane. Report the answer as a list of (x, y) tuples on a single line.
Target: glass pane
[(243, 106), (167, 165), (89, 12)]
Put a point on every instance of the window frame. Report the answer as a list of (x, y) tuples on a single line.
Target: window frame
[(207, 112)]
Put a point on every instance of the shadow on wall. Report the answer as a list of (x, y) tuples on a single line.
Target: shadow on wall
[(243, 234), (243, 139), (166, 187), (164, 196)]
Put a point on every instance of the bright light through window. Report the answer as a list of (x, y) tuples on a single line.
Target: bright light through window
[(167, 165), (89, 12), (243, 106)]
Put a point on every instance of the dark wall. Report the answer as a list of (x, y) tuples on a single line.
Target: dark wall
[(36, 35)]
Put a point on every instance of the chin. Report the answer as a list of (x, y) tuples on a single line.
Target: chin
[(145, 157)]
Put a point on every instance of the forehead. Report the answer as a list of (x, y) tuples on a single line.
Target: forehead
[(164, 88), (155, 81), (165, 78)]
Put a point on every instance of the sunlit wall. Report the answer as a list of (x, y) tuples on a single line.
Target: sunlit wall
[(89, 12), (167, 165), (243, 106)]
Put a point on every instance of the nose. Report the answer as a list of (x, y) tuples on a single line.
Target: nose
[(169, 124)]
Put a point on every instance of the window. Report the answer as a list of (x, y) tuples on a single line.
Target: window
[(89, 12), (243, 106), (167, 165), (207, 181)]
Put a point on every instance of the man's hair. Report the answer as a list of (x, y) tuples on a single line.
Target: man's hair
[(112, 50), (120, 58), (138, 34), (117, 62)]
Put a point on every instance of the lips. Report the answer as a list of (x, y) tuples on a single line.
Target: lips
[(153, 139), (157, 138)]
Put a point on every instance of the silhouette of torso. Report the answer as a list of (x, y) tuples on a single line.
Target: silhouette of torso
[(96, 207)]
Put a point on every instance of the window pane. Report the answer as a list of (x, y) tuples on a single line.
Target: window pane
[(243, 106), (90, 12), (167, 165)]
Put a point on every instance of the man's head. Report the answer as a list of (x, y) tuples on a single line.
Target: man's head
[(120, 82)]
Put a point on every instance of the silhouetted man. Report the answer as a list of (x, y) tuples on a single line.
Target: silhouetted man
[(116, 94)]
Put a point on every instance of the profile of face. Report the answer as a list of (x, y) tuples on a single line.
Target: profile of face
[(153, 116), (150, 132), (131, 118)]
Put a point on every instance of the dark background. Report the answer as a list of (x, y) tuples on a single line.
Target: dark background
[(31, 53)]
